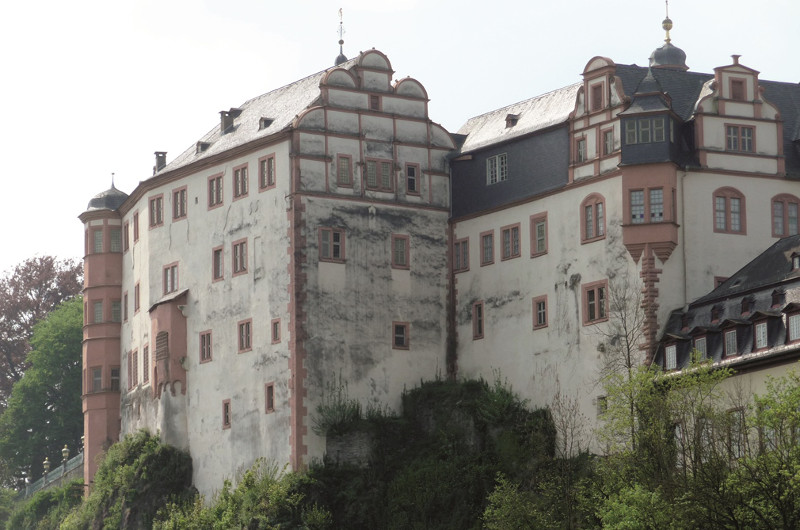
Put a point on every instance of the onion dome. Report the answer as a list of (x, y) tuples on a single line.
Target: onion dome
[(111, 199)]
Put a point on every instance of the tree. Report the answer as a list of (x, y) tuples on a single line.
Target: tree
[(44, 409), (30, 291)]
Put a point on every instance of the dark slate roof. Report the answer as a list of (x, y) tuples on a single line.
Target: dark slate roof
[(771, 267), (111, 199), (668, 56), (683, 87), (786, 96)]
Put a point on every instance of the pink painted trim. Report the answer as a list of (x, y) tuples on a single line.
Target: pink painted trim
[(263, 168), (739, 127), (406, 252), (755, 335), (786, 199), (458, 253), (406, 334), (593, 200), (244, 341), (512, 253), (536, 324), (596, 288), (155, 209), (330, 232), (742, 82), (206, 333), (728, 193), (596, 89), (239, 253), (275, 327), (484, 260), (216, 194), (348, 182), (165, 270), (378, 166), (725, 352), (417, 178), (535, 220), (478, 320), (180, 195), (241, 182), (603, 133)]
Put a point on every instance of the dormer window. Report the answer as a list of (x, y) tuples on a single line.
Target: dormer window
[(737, 89), (778, 297), (263, 123), (200, 147), (644, 130), (670, 357), (747, 305), (795, 261), (716, 312), (739, 138), (511, 120)]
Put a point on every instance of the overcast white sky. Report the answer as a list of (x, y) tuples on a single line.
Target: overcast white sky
[(91, 87)]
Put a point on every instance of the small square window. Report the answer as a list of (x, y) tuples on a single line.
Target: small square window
[(497, 168), (331, 245), (379, 175), (540, 312), (400, 338)]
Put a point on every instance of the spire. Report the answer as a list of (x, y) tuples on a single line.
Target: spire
[(667, 23), (341, 58), (112, 180)]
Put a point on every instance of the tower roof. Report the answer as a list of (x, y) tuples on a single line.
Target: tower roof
[(668, 56), (111, 199)]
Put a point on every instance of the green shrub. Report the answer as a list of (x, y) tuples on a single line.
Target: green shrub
[(47, 508)]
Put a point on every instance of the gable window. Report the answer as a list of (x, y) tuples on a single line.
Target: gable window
[(205, 346), (412, 176), (477, 320), (170, 278), (379, 175), (217, 264), (179, 204), (400, 252), (344, 170), (269, 397), (784, 215), (737, 89), (593, 224), (331, 244), (157, 211), (540, 312), (276, 330), (701, 348), (461, 255), (240, 257), (580, 150), (760, 332), (597, 96), (510, 241), (608, 142), (538, 235), (245, 335), (730, 343), (400, 339), (793, 326), (729, 211), (240, 182), (739, 138), (496, 168), (595, 304), (671, 357), (644, 130), (146, 365), (226, 414), (266, 172), (214, 191), (487, 248)]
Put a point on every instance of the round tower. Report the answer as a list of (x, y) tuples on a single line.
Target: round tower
[(102, 321)]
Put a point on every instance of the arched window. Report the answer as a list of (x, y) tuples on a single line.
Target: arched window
[(784, 215), (729, 211), (593, 218)]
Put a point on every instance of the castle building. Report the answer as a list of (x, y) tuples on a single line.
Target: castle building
[(328, 234)]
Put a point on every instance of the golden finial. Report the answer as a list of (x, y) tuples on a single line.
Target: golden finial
[(667, 23)]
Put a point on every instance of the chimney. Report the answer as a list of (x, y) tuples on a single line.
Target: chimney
[(161, 161), (226, 119)]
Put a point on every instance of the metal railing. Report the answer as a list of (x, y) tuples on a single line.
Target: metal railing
[(55, 477)]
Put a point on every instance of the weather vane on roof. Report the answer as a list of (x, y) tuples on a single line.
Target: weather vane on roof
[(112, 179), (667, 24), (341, 58)]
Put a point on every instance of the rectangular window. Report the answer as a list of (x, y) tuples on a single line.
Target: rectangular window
[(240, 257), (266, 172), (400, 339), (487, 248), (125, 306), (739, 138), (170, 278), (98, 312), (401, 258), (126, 238), (331, 244), (658, 129), (97, 379), (115, 379), (136, 297), (135, 368), (594, 225), (205, 346), (379, 175), (477, 320), (656, 205), (595, 302), (630, 132), (730, 343), (597, 96), (217, 264), (269, 397), (276, 330), (761, 335), (116, 311), (116, 239), (784, 216), (510, 235), (226, 414), (608, 142), (245, 335), (344, 170), (700, 348), (136, 227), (645, 130), (97, 241), (241, 182), (737, 89), (671, 357), (412, 176), (496, 168), (179, 204), (637, 207), (214, 191), (538, 235), (794, 327), (156, 211), (461, 255), (146, 364), (374, 102), (540, 312), (580, 150)]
